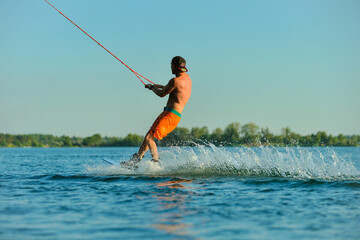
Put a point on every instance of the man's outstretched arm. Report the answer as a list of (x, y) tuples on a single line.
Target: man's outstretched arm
[(161, 90)]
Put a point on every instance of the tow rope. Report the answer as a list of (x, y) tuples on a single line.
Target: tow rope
[(136, 73)]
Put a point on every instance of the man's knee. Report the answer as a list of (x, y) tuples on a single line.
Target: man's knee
[(149, 137)]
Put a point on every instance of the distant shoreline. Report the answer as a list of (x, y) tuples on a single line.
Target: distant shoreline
[(275, 146), (234, 134)]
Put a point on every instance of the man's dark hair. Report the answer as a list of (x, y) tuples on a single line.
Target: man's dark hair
[(178, 61)]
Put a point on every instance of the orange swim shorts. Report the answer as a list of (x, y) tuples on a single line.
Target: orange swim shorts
[(165, 123)]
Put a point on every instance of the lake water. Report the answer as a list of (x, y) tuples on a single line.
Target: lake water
[(205, 192)]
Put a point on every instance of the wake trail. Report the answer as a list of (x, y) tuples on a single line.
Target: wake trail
[(207, 160)]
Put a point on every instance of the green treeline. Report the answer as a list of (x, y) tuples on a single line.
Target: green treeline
[(42, 140), (251, 135), (234, 134)]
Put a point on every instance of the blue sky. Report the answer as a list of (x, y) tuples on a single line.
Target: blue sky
[(274, 63)]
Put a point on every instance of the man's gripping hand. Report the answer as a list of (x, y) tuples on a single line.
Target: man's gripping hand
[(149, 86)]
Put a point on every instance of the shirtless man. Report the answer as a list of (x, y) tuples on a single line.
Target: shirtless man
[(179, 90)]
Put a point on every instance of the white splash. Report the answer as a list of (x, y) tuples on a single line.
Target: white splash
[(209, 160)]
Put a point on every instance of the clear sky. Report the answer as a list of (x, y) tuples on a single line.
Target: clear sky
[(274, 63)]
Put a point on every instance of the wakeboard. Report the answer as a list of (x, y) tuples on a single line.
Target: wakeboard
[(121, 164), (111, 162)]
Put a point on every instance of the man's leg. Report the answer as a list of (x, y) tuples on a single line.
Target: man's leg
[(148, 142), (143, 148)]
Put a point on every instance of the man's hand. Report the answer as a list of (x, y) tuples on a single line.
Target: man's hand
[(149, 86)]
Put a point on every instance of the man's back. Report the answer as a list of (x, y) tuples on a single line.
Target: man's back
[(181, 94)]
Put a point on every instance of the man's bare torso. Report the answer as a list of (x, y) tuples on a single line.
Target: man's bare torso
[(181, 93)]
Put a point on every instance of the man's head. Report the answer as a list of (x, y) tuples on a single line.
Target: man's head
[(178, 64)]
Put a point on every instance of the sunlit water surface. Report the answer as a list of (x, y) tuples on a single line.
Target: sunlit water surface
[(205, 192)]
